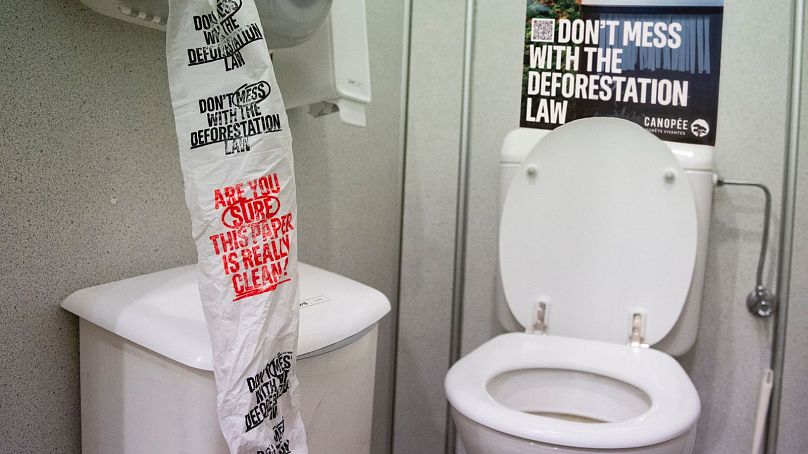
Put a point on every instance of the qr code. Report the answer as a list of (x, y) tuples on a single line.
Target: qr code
[(542, 30)]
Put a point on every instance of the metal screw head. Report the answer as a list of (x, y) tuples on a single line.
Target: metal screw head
[(761, 303)]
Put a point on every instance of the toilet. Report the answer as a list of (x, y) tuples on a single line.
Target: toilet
[(602, 250)]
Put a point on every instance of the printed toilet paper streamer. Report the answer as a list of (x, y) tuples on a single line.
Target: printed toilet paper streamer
[(236, 156)]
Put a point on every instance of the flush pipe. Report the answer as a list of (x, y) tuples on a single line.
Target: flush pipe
[(787, 222), (760, 302)]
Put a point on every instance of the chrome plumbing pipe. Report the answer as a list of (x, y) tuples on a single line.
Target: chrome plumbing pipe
[(760, 302)]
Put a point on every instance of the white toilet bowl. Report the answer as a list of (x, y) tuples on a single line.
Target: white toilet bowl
[(524, 393), (602, 245)]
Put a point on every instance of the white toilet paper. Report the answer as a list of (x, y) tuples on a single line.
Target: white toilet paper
[(236, 155)]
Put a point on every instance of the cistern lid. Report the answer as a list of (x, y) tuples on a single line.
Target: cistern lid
[(599, 223), (162, 312)]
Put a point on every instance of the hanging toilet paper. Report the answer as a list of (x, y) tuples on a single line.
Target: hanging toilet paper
[(236, 156)]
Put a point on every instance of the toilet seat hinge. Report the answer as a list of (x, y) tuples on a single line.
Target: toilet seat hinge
[(540, 320), (636, 337)]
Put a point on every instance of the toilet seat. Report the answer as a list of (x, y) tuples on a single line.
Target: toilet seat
[(599, 224), (674, 402)]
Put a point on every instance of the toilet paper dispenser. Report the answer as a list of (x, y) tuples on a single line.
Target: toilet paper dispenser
[(319, 49)]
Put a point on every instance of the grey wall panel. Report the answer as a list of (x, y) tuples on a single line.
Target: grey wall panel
[(495, 102), (433, 140), (350, 188), (92, 192), (792, 438)]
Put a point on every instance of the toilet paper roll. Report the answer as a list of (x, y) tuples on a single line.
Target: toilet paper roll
[(236, 157)]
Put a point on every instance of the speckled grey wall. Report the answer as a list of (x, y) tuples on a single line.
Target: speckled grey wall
[(792, 438), (349, 183), (733, 348), (92, 192)]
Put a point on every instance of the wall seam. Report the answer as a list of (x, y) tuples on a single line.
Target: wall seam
[(787, 222), (461, 215), (403, 128)]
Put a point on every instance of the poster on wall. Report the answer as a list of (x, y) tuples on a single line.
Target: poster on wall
[(655, 63)]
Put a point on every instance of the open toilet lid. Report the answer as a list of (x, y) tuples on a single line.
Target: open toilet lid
[(599, 223)]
